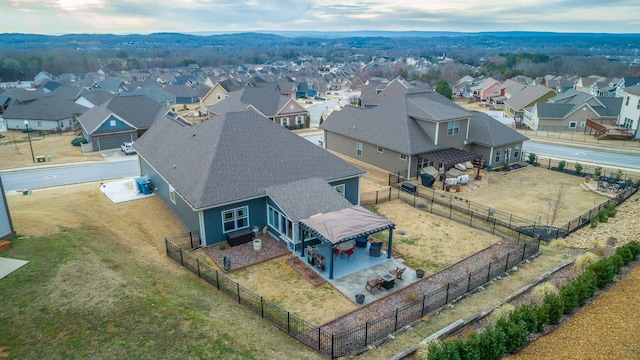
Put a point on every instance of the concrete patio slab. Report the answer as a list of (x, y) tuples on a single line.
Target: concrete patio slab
[(123, 190)]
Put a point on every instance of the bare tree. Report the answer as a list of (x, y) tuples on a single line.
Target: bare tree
[(554, 203)]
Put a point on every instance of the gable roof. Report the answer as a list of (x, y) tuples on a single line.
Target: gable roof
[(487, 131), (138, 111), (264, 99), (634, 90), (50, 108), (156, 94), (182, 91), (98, 97), (237, 156), (393, 125), (527, 96), (301, 199)]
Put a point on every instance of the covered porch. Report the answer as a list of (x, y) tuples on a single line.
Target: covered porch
[(344, 246), (449, 157)]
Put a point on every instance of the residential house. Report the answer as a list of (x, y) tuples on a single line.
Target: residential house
[(630, 111), (50, 113), (121, 119), (402, 134), (114, 86), (486, 90), (515, 105), (160, 96), (624, 82), (6, 225), (571, 111), (184, 94), (584, 83), (234, 174), (281, 109), (93, 99), (376, 93), (219, 91)]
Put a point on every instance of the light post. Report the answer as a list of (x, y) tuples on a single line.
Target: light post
[(26, 124)]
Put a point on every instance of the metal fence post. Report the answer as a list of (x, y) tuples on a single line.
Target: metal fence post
[(262, 309), (524, 251), (198, 263), (376, 196), (446, 299), (181, 261), (166, 245), (510, 220), (238, 289), (489, 272), (469, 283), (389, 194), (288, 322), (366, 333), (333, 336), (191, 239), (506, 264), (217, 280), (424, 297), (395, 326), (471, 219), (493, 231)]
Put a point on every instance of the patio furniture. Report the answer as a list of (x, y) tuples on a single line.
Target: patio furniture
[(361, 242), (350, 252), (397, 272), (239, 237), (344, 247), (374, 284), (388, 281), (374, 249)]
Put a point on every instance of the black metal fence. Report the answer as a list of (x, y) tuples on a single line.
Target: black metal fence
[(378, 196), (358, 338), (190, 240), (585, 169)]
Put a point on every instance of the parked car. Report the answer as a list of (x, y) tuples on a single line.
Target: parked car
[(127, 148), (319, 98)]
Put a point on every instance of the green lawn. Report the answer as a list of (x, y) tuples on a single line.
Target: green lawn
[(82, 296)]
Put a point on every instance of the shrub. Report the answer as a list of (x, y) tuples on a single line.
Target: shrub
[(597, 172), (625, 253), (502, 311), (562, 164), (570, 298), (516, 334), (528, 314), (604, 271), (554, 307), (618, 175), (578, 168), (78, 141), (593, 222), (585, 260), (532, 158), (491, 344), (635, 248)]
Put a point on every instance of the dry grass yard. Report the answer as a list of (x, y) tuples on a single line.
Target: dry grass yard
[(15, 152)]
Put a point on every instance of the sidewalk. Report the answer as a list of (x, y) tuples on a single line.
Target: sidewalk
[(584, 141), (113, 155)]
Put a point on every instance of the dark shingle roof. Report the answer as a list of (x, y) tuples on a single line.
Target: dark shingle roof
[(98, 97), (156, 94), (554, 111), (265, 99), (485, 130), (635, 89), (307, 197), (138, 111), (527, 96), (393, 125), (234, 157), (47, 108)]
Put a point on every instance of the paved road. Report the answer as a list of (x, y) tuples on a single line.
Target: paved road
[(55, 176), (600, 157)]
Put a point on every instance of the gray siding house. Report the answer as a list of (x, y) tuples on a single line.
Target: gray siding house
[(398, 134), (242, 171)]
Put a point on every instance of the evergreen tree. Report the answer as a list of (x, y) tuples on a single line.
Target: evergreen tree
[(443, 88)]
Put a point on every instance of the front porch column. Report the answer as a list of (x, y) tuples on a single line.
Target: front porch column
[(300, 230), (331, 263), (390, 250)]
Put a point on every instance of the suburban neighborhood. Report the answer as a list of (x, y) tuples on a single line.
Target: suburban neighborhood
[(412, 201)]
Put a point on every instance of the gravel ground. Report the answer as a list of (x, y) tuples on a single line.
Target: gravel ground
[(244, 255)]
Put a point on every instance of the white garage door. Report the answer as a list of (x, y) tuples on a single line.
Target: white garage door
[(113, 142)]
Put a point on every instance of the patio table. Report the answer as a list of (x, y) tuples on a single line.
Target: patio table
[(389, 281)]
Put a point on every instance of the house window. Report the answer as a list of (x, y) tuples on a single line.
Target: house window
[(359, 149), (628, 123), (219, 96), (453, 127), (403, 157), (626, 103), (299, 119), (172, 194), (340, 189), (284, 121), (39, 123), (380, 149), (497, 156), (280, 222), (638, 106), (573, 124), (516, 152), (583, 124), (70, 122), (112, 123), (235, 219)]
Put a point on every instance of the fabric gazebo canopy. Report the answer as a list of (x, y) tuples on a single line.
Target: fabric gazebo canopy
[(346, 224)]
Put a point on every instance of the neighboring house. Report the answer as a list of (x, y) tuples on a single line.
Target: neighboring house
[(114, 86), (376, 93), (487, 90), (219, 91), (121, 119), (242, 171), (401, 134), (158, 95), (515, 105), (184, 94), (630, 111), (93, 99), (624, 82), (49, 113), (571, 110), (6, 225), (281, 109)]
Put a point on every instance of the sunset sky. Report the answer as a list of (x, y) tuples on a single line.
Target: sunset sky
[(189, 16)]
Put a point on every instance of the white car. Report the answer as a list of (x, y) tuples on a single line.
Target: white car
[(127, 148)]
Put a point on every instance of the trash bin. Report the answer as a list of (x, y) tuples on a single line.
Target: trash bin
[(48, 157), (489, 167), (144, 186)]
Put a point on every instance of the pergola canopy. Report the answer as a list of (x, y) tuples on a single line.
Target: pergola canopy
[(346, 224), (450, 156)]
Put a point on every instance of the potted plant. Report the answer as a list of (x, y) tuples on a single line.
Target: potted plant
[(360, 298), (419, 273)]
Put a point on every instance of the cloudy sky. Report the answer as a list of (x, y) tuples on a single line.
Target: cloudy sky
[(143, 17)]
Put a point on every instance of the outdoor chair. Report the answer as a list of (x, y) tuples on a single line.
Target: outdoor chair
[(374, 249), (374, 284), (397, 272), (361, 242)]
